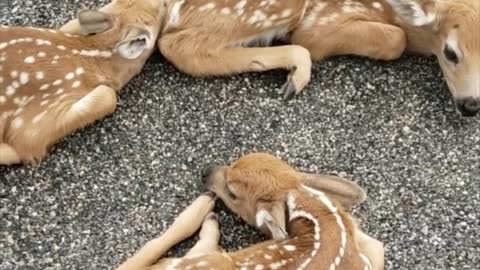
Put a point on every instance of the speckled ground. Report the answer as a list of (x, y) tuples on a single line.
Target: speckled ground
[(109, 188)]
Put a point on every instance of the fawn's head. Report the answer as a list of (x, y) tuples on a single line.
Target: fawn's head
[(136, 22), (256, 188), (448, 29)]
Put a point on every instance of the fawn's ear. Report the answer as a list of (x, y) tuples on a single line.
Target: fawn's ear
[(94, 22), (136, 41), (415, 12), (344, 191), (270, 218)]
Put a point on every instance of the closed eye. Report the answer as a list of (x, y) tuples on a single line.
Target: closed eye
[(231, 194)]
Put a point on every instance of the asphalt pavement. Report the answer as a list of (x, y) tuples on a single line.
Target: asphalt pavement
[(109, 188)]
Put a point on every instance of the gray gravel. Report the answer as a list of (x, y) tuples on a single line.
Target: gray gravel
[(109, 188)]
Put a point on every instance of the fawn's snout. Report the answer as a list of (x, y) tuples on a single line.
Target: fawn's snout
[(469, 106), (208, 175)]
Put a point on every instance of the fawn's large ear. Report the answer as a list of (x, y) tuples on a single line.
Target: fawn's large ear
[(415, 12), (344, 191), (94, 22), (136, 41), (270, 218)]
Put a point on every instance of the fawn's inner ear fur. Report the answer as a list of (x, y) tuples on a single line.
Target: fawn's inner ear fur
[(344, 191), (415, 12), (134, 44), (94, 22), (271, 219)]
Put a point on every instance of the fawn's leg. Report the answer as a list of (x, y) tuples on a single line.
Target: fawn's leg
[(209, 237), (226, 61), (44, 127), (185, 225), (373, 249), (352, 37), (8, 155)]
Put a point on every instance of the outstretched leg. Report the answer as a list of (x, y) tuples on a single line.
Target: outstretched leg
[(209, 237), (184, 226), (212, 62)]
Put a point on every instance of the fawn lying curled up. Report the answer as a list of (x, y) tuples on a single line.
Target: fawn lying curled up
[(303, 213), (52, 82)]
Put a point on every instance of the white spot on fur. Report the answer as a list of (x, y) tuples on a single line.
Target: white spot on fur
[(207, 7), (258, 16), (272, 247), (57, 82), (328, 19), (10, 90), (3, 99), (14, 74), (39, 75), (225, 11), (15, 84), (69, 76), (286, 13), (40, 42), (79, 71), (44, 87), (41, 54), (17, 122), (29, 60), (289, 248), (24, 78), (76, 84), (240, 5), (39, 117), (61, 47), (377, 5), (3, 45)]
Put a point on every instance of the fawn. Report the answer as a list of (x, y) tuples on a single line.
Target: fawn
[(53, 83), (303, 213), (209, 37)]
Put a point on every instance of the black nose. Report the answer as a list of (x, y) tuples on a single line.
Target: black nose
[(469, 106), (206, 173)]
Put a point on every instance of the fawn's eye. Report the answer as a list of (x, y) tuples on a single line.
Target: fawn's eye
[(231, 194), (450, 54)]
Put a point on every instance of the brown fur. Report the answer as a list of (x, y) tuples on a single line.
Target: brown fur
[(224, 39), (261, 181), (64, 108)]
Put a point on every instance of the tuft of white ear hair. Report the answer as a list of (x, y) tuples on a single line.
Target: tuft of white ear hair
[(412, 12), (262, 217), (133, 48)]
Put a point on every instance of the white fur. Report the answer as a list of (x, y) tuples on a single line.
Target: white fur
[(412, 12)]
